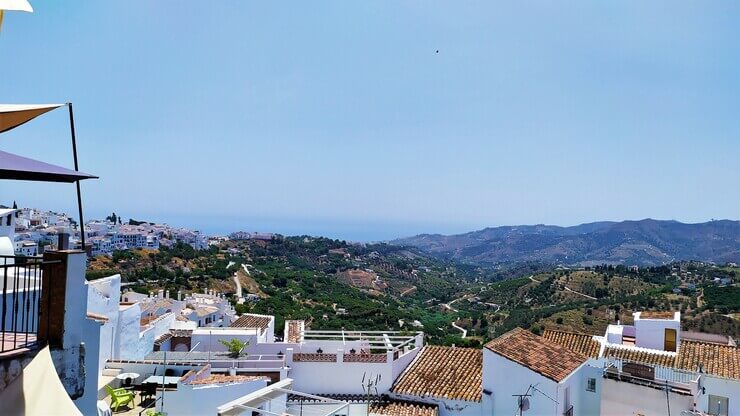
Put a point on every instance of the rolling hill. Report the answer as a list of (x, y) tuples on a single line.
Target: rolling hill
[(644, 242)]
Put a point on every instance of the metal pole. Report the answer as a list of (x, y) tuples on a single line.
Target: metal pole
[(161, 405), (77, 168), (668, 397)]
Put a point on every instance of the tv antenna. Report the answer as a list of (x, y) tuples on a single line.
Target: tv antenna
[(523, 399), (369, 386)]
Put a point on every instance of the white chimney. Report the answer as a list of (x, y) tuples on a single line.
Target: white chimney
[(167, 294), (160, 294), (179, 295)]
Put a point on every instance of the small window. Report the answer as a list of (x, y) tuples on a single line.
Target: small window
[(591, 384), (719, 405)]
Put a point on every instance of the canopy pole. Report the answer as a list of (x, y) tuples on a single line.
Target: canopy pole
[(77, 168)]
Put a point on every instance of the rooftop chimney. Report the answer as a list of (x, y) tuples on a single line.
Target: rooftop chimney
[(63, 241)]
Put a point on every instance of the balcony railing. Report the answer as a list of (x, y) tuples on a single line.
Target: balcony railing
[(20, 305), (569, 411), (315, 357), (674, 380), (365, 358)]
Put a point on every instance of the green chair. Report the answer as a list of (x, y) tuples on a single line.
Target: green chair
[(119, 397)]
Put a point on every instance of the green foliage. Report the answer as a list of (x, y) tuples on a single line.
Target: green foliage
[(235, 346), (723, 298), (99, 274)]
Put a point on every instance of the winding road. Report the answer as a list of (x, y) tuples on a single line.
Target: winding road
[(238, 283), (579, 293), (463, 330), (566, 288)]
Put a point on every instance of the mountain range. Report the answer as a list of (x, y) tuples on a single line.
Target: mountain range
[(646, 242)]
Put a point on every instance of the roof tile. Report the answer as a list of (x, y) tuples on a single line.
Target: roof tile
[(252, 321), (580, 343), (444, 372), (548, 358)]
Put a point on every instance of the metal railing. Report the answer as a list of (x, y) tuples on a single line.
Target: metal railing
[(569, 411), (658, 372), (20, 305)]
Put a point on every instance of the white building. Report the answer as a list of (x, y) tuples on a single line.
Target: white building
[(655, 365), (543, 377), (7, 232)]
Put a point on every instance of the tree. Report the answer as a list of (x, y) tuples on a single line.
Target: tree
[(235, 346)]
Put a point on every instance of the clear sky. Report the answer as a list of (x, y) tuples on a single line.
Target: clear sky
[(340, 118)]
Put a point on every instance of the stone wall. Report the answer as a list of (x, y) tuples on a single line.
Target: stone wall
[(11, 368)]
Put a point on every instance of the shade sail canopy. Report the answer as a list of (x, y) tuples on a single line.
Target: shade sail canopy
[(25, 169), (13, 115), (37, 391)]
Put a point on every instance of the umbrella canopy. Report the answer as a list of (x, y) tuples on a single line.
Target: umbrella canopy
[(13, 115), (25, 169), (15, 5)]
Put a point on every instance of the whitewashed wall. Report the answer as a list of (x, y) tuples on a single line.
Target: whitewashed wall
[(103, 298), (81, 342), (337, 377), (504, 378), (624, 399), (127, 346), (206, 340), (650, 333), (720, 387), (200, 400)]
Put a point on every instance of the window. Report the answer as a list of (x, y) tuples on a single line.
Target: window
[(591, 384), (718, 405), (670, 340)]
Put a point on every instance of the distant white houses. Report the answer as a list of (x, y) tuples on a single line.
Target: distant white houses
[(103, 236)]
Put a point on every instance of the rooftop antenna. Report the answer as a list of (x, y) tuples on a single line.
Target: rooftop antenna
[(523, 401), (369, 386)]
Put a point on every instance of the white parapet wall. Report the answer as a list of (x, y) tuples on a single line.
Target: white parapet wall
[(620, 398), (103, 299)]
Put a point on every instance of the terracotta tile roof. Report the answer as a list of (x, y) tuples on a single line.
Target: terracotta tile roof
[(153, 306), (716, 359), (162, 338), (719, 360), (580, 343), (252, 321), (548, 358), (224, 378), (444, 372), (640, 356), (657, 315), (294, 331), (403, 408), (181, 332), (205, 311)]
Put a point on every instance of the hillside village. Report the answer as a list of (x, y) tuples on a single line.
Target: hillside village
[(36, 229), (255, 321)]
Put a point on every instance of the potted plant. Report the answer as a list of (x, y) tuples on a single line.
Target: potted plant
[(234, 346)]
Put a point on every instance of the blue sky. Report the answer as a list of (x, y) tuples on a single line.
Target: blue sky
[(339, 118)]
